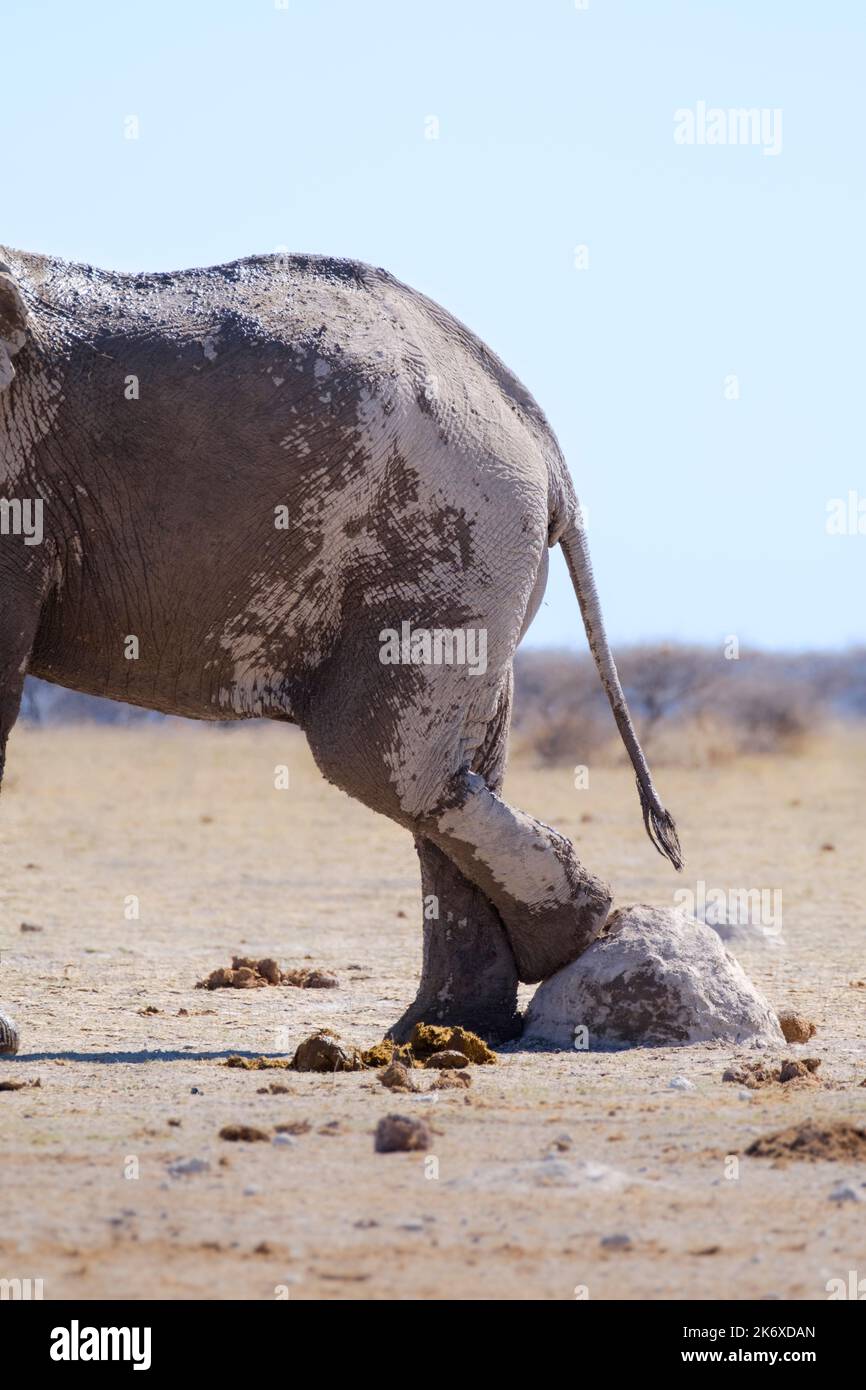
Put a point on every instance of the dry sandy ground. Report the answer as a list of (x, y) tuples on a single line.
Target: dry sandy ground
[(188, 820)]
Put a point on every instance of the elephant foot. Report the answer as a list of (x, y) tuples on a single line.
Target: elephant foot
[(496, 1022), (468, 974), (553, 936)]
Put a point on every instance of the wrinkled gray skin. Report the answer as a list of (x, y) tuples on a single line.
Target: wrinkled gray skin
[(422, 483)]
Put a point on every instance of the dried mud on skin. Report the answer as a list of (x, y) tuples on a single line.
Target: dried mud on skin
[(245, 972), (813, 1143)]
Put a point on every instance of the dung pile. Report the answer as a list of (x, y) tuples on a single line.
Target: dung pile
[(245, 972), (839, 1142)]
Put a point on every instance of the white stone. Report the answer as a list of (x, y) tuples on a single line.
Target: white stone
[(655, 978)]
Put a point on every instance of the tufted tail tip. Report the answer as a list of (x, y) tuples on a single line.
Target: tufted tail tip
[(661, 829)]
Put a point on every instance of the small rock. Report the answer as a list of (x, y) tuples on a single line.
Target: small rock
[(845, 1193), (321, 979), (186, 1167), (401, 1134), (620, 1241), (283, 1141), (793, 1071), (447, 1061), (795, 1027), (30, 926), (680, 1083)]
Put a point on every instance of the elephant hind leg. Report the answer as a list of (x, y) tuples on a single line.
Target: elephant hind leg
[(408, 744), (19, 619)]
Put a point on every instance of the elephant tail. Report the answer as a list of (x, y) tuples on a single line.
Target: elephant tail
[(659, 823)]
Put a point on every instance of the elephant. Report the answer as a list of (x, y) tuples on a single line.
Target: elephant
[(291, 487)]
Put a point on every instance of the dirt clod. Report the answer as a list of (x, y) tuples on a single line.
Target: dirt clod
[(813, 1142), (401, 1134), (323, 1051), (243, 1134), (796, 1028), (19, 1085), (452, 1080), (397, 1077)]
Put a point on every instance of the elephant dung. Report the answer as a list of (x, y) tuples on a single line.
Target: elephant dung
[(655, 978)]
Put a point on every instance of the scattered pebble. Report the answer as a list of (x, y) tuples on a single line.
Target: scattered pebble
[(401, 1134), (845, 1193), (187, 1167), (283, 1141), (680, 1083), (294, 1127), (620, 1241)]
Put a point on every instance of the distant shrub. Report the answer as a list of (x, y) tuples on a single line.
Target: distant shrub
[(688, 703)]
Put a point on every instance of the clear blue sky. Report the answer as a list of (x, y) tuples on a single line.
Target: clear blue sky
[(304, 128)]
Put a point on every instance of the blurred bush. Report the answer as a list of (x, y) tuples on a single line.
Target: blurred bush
[(689, 704)]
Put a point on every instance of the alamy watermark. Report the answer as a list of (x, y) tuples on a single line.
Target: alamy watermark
[(732, 907), (729, 125), (438, 646), (22, 517)]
